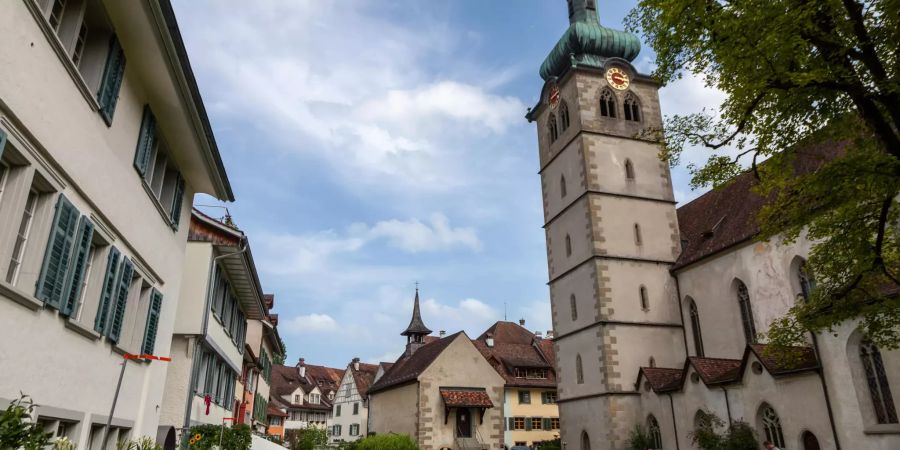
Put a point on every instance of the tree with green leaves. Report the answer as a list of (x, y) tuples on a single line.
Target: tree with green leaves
[(278, 358), (799, 74)]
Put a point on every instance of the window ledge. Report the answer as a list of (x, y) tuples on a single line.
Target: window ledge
[(159, 207), (20, 297), (60, 51), (79, 328), (883, 428)]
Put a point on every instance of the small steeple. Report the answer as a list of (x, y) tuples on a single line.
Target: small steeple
[(416, 331), (583, 11)]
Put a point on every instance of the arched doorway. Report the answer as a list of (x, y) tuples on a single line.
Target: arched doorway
[(810, 442)]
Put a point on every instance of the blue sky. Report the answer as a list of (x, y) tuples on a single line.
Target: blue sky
[(375, 143)]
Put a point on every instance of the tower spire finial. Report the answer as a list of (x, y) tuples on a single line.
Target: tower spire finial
[(583, 11), (416, 325)]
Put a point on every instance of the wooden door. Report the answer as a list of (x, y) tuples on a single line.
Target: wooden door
[(463, 423)]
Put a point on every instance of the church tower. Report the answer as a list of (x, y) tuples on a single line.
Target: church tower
[(611, 229), (416, 331)]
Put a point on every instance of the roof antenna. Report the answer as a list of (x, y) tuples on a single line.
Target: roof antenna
[(504, 310)]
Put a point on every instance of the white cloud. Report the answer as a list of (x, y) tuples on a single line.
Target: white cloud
[(415, 236), (308, 324)]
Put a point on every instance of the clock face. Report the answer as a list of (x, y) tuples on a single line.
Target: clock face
[(617, 78), (553, 98)]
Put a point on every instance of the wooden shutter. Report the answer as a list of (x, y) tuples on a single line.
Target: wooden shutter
[(146, 141), (156, 298), (121, 299), (51, 284), (512, 423), (547, 424), (175, 213), (106, 294), (75, 276), (528, 424), (111, 82)]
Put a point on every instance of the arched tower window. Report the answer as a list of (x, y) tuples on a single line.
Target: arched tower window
[(877, 380), (579, 372), (645, 302), (562, 185), (585, 441), (607, 103), (637, 235), (771, 426), (552, 127), (568, 245), (746, 313), (632, 108), (574, 306), (655, 434), (695, 327), (563, 116), (807, 283), (629, 170), (810, 442)]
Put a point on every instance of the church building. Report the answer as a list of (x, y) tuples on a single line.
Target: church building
[(657, 309)]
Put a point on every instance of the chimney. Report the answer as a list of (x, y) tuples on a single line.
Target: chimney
[(538, 335), (522, 322), (355, 363), (442, 333), (549, 334), (301, 367), (489, 340)]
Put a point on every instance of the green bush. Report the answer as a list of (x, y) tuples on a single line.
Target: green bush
[(739, 436), (639, 439), (390, 441), (307, 438), (204, 437), (17, 430), (551, 445)]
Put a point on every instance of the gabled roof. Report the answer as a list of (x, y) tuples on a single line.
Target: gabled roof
[(714, 371), (363, 377), (517, 347), (286, 380), (466, 397), (806, 360), (662, 379), (409, 367)]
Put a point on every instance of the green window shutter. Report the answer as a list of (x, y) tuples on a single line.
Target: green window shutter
[(106, 295), (79, 263), (528, 424), (512, 423), (51, 284), (111, 82), (546, 423), (121, 299), (156, 298), (146, 141), (2, 142), (175, 213)]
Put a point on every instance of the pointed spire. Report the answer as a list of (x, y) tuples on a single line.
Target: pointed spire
[(416, 325)]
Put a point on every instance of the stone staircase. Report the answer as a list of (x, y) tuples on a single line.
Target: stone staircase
[(470, 444)]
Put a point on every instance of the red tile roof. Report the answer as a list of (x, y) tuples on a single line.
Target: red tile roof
[(662, 379), (273, 411), (363, 377), (409, 367), (726, 216), (806, 360), (516, 347), (466, 398), (715, 371), (286, 380)]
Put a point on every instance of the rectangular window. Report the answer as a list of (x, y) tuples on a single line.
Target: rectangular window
[(524, 397), (548, 398), (554, 423), (354, 429), (4, 170), (88, 272), (78, 51), (56, 14), (22, 235), (518, 423), (337, 411), (356, 408), (111, 81), (158, 170), (535, 423)]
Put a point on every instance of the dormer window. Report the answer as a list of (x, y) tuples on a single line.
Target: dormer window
[(632, 108), (315, 399)]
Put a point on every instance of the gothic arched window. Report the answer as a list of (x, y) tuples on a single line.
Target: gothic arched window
[(574, 306), (655, 434), (771, 426), (552, 127), (810, 442), (695, 327), (632, 108), (585, 441), (629, 170), (607, 103), (807, 283), (876, 378), (746, 313), (579, 373), (562, 185), (645, 302), (568, 246), (637, 235), (563, 116)]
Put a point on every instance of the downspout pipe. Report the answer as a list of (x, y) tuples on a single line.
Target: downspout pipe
[(195, 366), (674, 421), (727, 406)]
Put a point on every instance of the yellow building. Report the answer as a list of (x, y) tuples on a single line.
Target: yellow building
[(525, 360)]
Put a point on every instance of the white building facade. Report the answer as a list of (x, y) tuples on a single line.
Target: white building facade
[(103, 143), (351, 407)]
